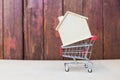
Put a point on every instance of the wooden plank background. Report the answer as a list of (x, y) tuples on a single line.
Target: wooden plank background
[(1, 29), (111, 16), (13, 48), (52, 9), (27, 27), (33, 29)]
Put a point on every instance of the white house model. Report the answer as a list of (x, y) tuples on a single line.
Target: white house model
[(73, 28)]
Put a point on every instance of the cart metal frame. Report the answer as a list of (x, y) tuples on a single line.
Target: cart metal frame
[(79, 52)]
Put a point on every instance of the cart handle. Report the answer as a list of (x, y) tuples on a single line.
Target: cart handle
[(94, 38)]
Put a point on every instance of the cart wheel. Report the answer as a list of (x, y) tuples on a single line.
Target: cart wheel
[(66, 67), (89, 70), (86, 66)]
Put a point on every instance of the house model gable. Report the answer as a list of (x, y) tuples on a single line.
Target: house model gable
[(73, 28)]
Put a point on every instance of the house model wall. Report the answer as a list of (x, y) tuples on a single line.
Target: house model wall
[(73, 28)]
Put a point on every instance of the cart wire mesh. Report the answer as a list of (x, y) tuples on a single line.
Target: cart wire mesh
[(79, 52)]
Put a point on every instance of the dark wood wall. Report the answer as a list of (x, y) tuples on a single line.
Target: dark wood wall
[(1, 30), (111, 17), (33, 29), (11, 39), (27, 27)]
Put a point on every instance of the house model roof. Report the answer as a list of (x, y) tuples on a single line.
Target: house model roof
[(73, 28)]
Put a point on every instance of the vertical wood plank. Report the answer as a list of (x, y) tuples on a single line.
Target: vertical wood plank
[(52, 43), (93, 10), (33, 29), (73, 5), (111, 15), (1, 29), (13, 29), (26, 48)]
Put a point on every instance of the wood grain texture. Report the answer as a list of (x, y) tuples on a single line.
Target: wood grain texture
[(34, 4), (52, 43), (13, 29), (1, 29), (33, 29), (93, 10), (42, 41), (73, 5), (111, 15), (26, 48)]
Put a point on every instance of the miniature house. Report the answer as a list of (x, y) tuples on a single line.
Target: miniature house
[(73, 28)]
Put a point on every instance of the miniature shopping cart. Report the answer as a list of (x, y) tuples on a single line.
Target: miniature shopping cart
[(79, 51), (73, 28)]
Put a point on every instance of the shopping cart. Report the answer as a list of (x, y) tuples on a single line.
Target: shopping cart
[(79, 52), (73, 28)]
